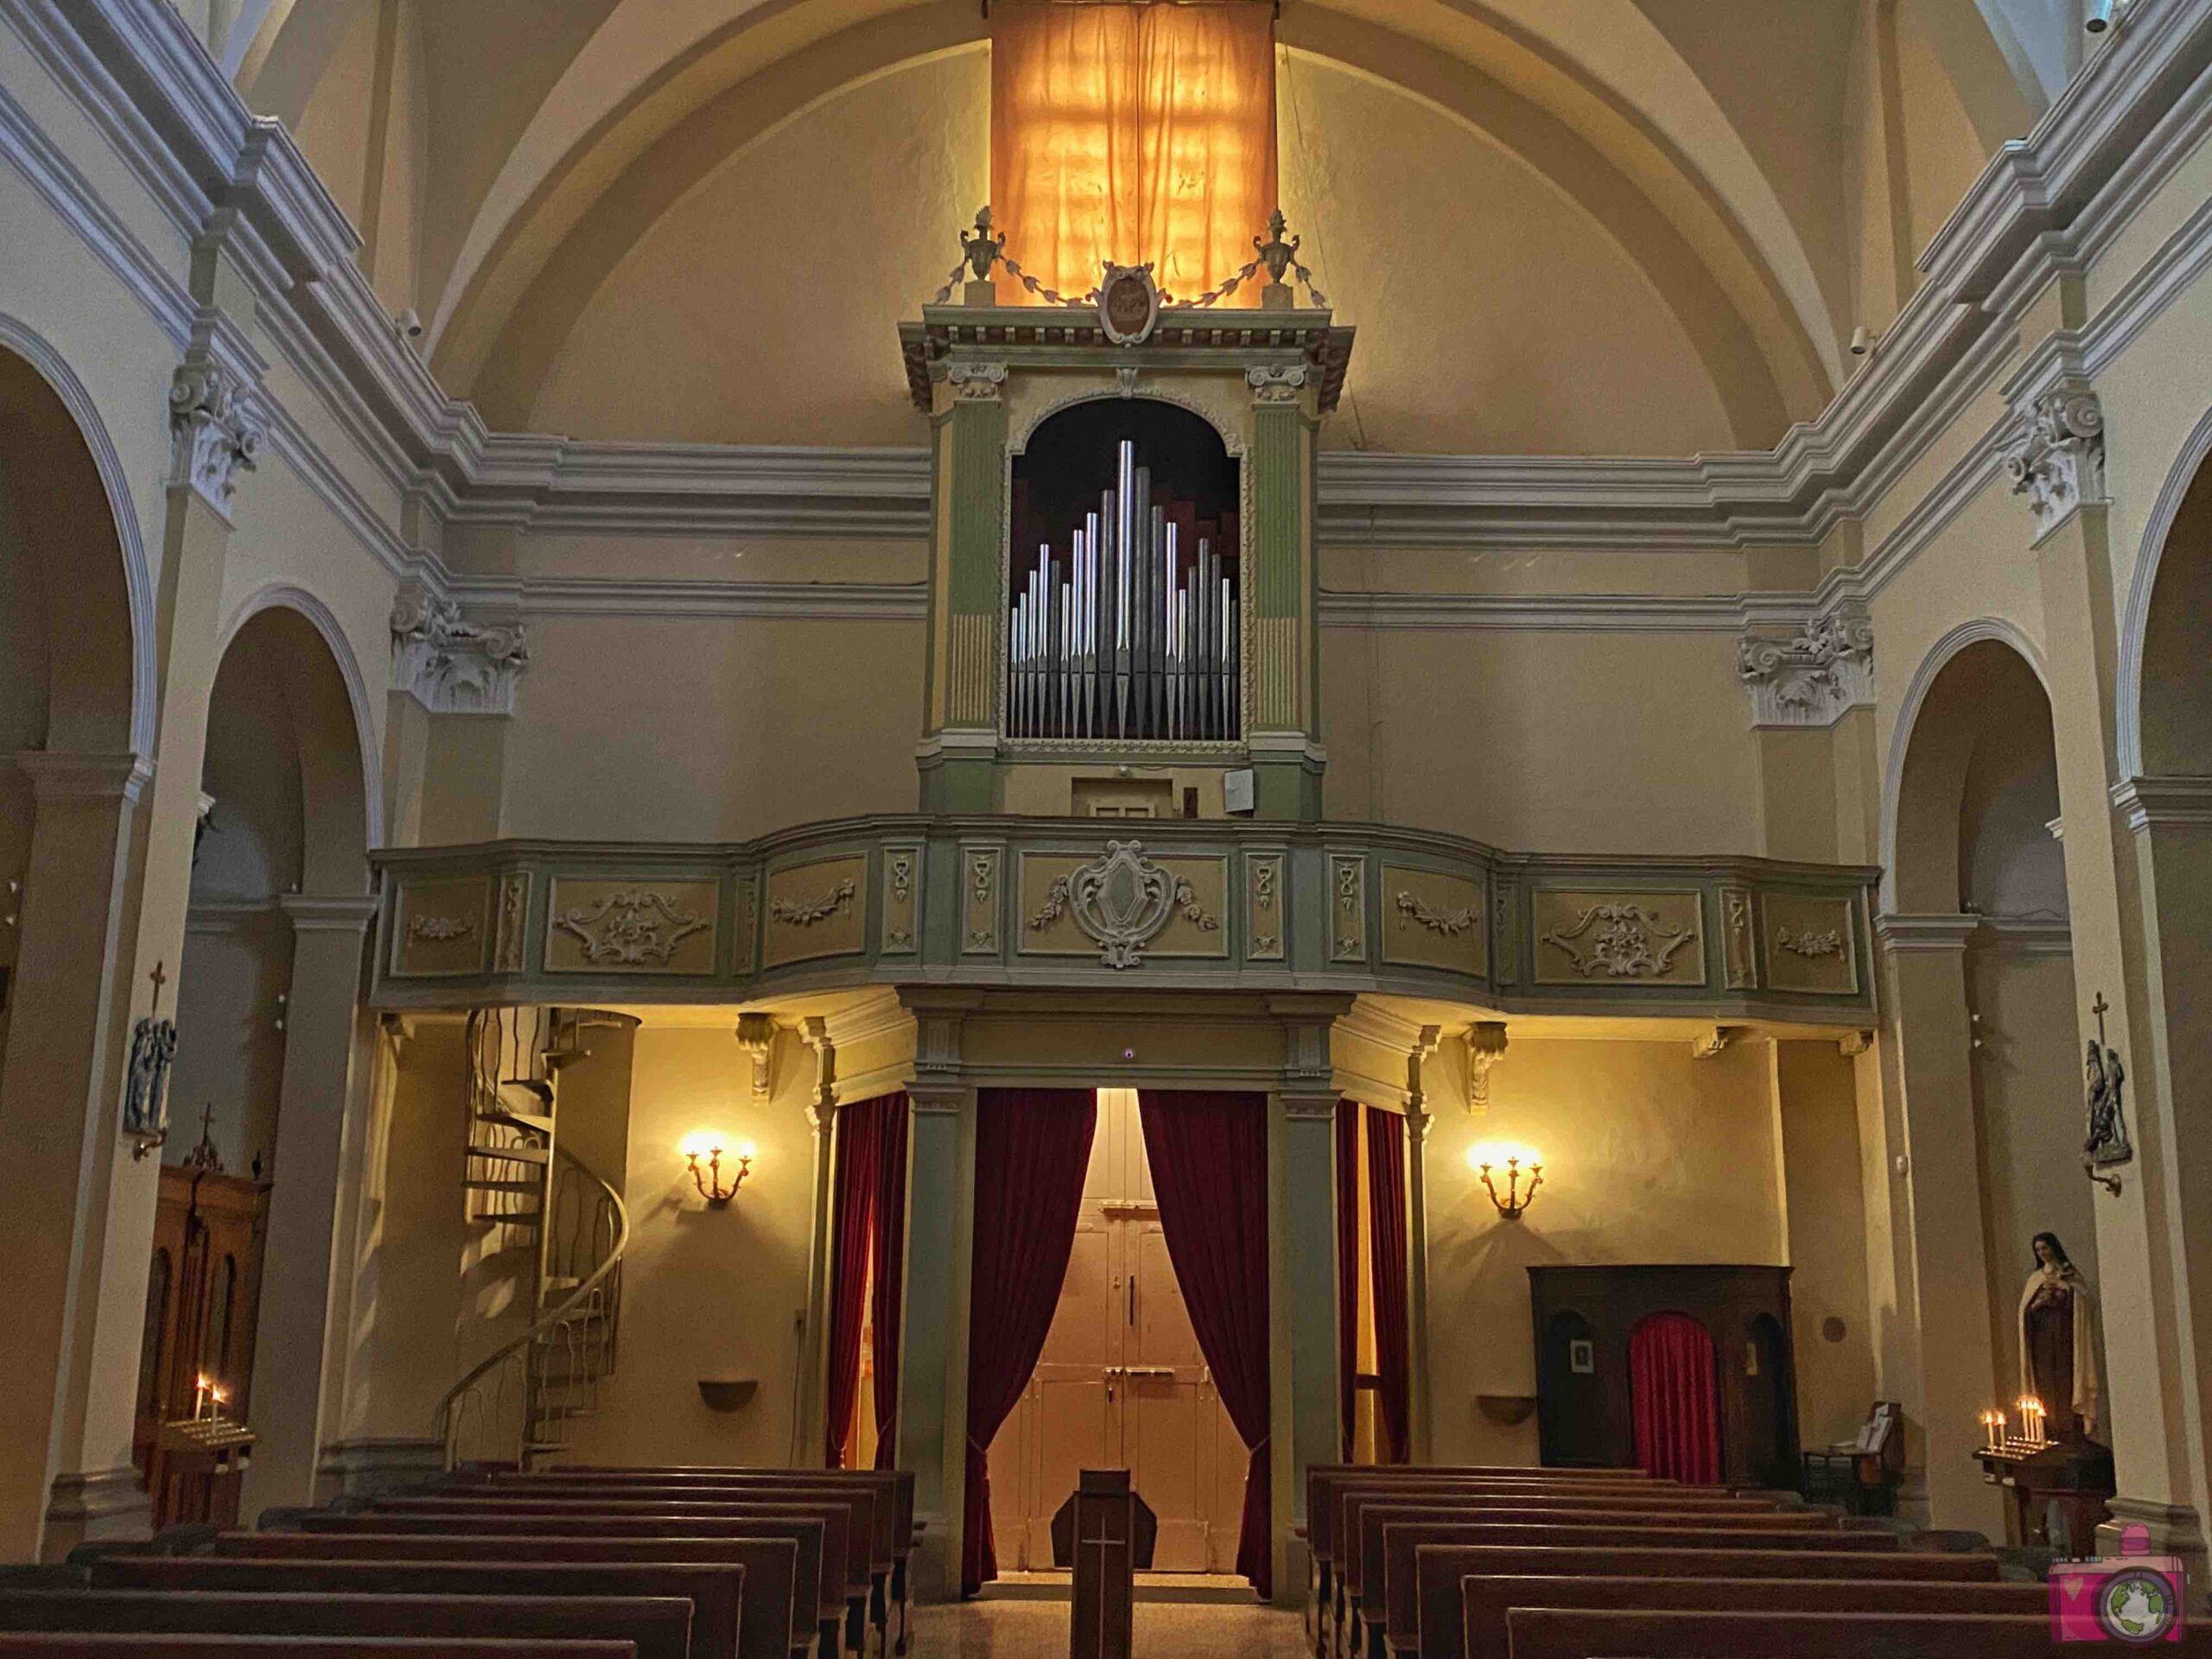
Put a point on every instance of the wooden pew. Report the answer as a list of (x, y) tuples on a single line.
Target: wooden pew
[(1356, 1547), (880, 1488), (1486, 1601), (1552, 1633), (49, 1645), (1323, 1481), (819, 1536), (658, 1626), (772, 1624), (1364, 1567), (477, 1509), (1440, 1571), (717, 1594)]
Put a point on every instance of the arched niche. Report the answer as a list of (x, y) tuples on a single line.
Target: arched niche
[(290, 814), (2172, 681)]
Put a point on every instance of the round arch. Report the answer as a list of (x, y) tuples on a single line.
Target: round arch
[(139, 697), (366, 772), (2179, 491), (1939, 657)]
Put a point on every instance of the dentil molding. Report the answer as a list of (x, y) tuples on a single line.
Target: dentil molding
[(1812, 677), (449, 664)]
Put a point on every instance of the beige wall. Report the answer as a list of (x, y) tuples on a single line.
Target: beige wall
[(708, 1293), (1651, 1155), (1816, 1119)]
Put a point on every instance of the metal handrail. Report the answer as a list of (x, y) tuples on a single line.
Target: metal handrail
[(548, 1320)]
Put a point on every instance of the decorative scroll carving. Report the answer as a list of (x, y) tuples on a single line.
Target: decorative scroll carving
[(1275, 385), (980, 884), (1812, 678), (756, 1037), (805, 913), (629, 928), (1264, 928), (1122, 900), (514, 900), (1348, 907), (440, 930), (216, 430), (1485, 1048), (1627, 941), (901, 865), (450, 665), (1827, 944), (1449, 923), (1736, 938), (976, 382), (2055, 452)]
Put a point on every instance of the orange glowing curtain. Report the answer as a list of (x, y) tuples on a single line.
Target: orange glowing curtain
[(1132, 133)]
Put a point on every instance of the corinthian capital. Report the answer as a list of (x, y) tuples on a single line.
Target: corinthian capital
[(2055, 452), (215, 430)]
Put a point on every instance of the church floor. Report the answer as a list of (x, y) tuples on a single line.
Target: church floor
[(1038, 1630)]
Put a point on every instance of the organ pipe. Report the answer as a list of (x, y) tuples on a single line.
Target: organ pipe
[(1129, 634)]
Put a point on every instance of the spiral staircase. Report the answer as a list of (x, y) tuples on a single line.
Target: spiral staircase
[(548, 1225)]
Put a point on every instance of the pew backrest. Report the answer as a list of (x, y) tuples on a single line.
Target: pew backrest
[(1342, 1531), (49, 1645), (902, 1483), (877, 1498), (658, 1626), (771, 1566), (819, 1535), (1485, 1601), (717, 1594), (1554, 1633), (1321, 1477)]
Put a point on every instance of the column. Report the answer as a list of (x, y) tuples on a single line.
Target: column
[(1288, 759), (2126, 959), (1417, 1122), (933, 1385), (1936, 1177), (320, 1136), (56, 1097), (960, 720)]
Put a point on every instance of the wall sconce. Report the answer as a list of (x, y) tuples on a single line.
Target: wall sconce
[(1515, 1202), (710, 1180)]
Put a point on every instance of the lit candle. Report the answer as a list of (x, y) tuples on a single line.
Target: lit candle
[(199, 1396), (1989, 1431), (1998, 1420)]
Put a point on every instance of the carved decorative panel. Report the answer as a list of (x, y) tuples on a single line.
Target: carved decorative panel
[(634, 925), (1347, 907), (902, 901), (979, 899), (1266, 907), (1122, 906), (1505, 906), (1433, 920), (1738, 972), (817, 909), (1613, 938), (442, 928), (514, 912), (1809, 944)]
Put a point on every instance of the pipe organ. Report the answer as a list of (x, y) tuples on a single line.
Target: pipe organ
[(1128, 631)]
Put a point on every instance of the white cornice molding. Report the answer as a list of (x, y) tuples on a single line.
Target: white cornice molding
[(2164, 802), (1906, 934), (885, 602)]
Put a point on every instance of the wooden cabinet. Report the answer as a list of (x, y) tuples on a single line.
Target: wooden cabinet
[(201, 1299), (1584, 1318)]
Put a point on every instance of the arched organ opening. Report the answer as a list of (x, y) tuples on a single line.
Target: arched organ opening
[(1124, 614)]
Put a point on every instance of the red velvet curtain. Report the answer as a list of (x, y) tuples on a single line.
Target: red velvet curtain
[(855, 1137), (1209, 1156), (1386, 1211), (1674, 1398), (1348, 1271), (1032, 1147), (886, 1256)]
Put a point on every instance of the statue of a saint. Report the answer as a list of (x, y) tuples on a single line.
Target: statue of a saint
[(2058, 1362)]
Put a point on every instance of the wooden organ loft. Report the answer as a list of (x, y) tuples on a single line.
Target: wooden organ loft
[(1121, 577)]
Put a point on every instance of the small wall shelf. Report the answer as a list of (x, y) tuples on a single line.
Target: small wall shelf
[(727, 1393)]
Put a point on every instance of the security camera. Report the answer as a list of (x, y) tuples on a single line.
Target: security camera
[(410, 324), (1862, 340), (2098, 15)]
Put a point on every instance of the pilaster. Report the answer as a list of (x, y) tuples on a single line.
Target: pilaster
[(1417, 1122), (321, 1147)]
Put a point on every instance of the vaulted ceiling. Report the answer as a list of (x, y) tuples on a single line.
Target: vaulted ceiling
[(1768, 171)]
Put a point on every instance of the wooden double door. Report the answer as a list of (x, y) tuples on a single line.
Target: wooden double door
[(1121, 1383)]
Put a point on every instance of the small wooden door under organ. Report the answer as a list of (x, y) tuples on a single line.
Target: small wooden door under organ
[(1121, 1383), (202, 1297)]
